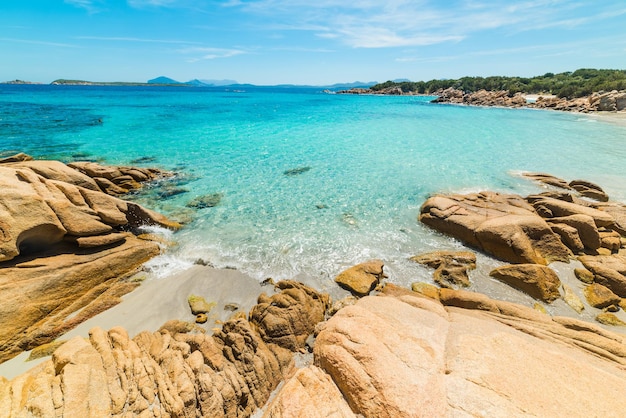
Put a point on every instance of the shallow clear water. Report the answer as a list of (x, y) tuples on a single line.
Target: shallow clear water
[(368, 164)]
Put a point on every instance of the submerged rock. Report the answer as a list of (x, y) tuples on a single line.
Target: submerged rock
[(296, 171), (206, 201)]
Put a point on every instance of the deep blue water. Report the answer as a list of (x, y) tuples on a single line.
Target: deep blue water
[(368, 164)]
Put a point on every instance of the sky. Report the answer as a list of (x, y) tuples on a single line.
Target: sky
[(318, 42)]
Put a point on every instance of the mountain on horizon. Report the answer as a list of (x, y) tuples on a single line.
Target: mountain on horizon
[(220, 83), (163, 80), (195, 82)]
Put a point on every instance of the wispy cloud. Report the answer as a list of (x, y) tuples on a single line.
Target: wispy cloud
[(138, 4), (130, 39), (206, 53), (37, 42), (401, 23), (91, 6)]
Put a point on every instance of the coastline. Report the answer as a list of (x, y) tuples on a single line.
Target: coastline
[(157, 301)]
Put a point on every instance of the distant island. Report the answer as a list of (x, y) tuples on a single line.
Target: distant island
[(20, 82), (163, 81)]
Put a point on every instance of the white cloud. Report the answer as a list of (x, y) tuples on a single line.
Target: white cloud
[(91, 6), (151, 3), (206, 53), (130, 39), (401, 23), (37, 42)]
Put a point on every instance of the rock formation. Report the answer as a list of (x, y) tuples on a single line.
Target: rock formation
[(505, 226), (229, 374), (402, 355), (578, 220), (395, 354), (65, 246), (597, 102)]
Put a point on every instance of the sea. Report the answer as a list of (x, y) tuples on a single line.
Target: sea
[(304, 183)]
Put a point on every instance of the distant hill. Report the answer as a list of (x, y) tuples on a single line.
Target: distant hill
[(163, 80), (217, 82), (220, 83), (195, 82)]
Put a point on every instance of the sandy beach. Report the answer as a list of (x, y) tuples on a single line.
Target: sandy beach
[(157, 301), (615, 118)]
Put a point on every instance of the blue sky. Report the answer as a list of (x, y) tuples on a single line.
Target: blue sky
[(306, 42)]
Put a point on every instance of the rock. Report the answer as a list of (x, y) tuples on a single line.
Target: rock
[(40, 294), (296, 171), (618, 212), (585, 228), (45, 350), (206, 201), (538, 281), (201, 318), (505, 226), (451, 267), (342, 303), (572, 299), (467, 300), (583, 275), (229, 374), (175, 326), (608, 318), (362, 278), (16, 158), (426, 289), (610, 240), (100, 240), (588, 189), (548, 179), (600, 296), (608, 270), (561, 208), (199, 305), (408, 356), (40, 209), (62, 251), (279, 318), (569, 236), (309, 393)]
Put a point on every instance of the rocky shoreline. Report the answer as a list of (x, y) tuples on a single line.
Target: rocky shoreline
[(614, 101), (71, 247)]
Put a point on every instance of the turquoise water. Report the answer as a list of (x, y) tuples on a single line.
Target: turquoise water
[(367, 162)]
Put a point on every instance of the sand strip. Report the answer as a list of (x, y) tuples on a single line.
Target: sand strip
[(157, 301)]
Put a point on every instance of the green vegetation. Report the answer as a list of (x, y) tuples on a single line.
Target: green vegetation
[(570, 85)]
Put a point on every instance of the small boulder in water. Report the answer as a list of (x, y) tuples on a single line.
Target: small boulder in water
[(206, 201), (296, 171)]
